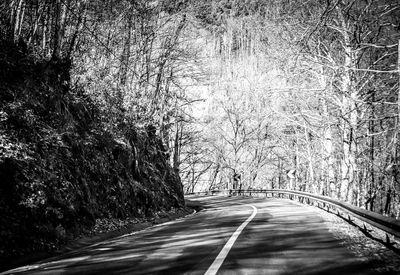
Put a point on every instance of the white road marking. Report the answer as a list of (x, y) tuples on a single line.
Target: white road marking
[(213, 269)]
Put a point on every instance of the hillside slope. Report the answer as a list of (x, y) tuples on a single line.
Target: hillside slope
[(59, 169)]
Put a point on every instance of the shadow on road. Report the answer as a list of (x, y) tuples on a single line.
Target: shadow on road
[(282, 239)]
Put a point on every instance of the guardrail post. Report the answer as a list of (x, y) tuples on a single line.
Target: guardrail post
[(366, 230), (349, 219), (388, 242)]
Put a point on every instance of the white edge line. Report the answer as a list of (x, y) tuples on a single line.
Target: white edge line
[(213, 269)]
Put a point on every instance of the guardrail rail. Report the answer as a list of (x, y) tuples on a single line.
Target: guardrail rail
[(387, 224)]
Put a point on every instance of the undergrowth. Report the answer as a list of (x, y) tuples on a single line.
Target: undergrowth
[(60, 170)]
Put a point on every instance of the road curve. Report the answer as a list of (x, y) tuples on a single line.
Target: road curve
[(279, 237)]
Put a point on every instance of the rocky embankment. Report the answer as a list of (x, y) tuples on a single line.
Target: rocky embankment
[(60, 169)]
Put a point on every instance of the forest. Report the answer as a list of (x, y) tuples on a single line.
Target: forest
[(117, 108)]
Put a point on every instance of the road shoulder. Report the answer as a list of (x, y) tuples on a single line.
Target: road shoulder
[(103, 233)]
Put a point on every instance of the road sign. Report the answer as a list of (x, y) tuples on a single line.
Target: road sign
[(291, 174), (236, 177)]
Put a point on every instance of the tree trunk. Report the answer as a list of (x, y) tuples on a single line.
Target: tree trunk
[(46, 21), (214, 177), (21, 20), (126, 52), (372, 149), (78, 28), (398, 94), (349, 114), (16, 20), (177, 143), (388, 201), (60, 17), (311, 181), (35, 26), (329, 160)]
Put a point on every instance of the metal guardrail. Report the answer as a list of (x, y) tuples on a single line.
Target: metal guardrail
[(387, 224)]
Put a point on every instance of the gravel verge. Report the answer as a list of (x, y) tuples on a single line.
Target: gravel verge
[(369, 249)]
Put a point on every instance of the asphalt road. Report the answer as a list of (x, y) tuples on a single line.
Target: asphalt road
[(230, 236)]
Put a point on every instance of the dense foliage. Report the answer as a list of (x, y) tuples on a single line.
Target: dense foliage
[(306, 86), (97, 95), (59, 169)]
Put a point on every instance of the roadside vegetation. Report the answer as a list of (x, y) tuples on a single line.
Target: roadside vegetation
[(114, 109), (68, 162), (310, 87)]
